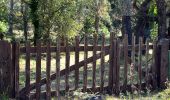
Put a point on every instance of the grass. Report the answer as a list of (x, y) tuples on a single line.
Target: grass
[(155, 95), (62, 66)]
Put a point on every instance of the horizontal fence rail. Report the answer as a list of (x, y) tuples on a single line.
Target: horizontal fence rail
[(81, 48)]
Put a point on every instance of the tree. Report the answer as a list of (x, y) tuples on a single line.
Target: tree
[(24, 10), (10, 31), (35, 19), (161, 5), (126, 19)]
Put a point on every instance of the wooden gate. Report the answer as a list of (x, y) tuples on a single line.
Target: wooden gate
[(112, 69)]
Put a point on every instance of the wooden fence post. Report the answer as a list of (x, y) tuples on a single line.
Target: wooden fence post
[(111, 50), (164, 62), (6, 70)]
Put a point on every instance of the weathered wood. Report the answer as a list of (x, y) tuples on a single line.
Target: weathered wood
[(77, 62), (94, 62), (85, 64), (13, 95), (154, 66), (114, 65), (140, 64), (117, 83), (125, 45), (111, 50), (102, 63), (147, 63), (158, 62), (58, 69), (17, 70), (62, 49), (38, 70), (164, 62), (81, 48), (48, 71), (133, 49), (67, 66), (27, 69), (62, 72), (133, 63)]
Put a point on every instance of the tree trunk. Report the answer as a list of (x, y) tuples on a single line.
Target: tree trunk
[(25, 21), (10, 31), (35, 19), (24, 9), (97, 16), (142, 20), (161, 5)]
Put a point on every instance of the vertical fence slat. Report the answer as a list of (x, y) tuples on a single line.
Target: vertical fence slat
[(67, 65), (38, 70), (85, 64), (125, 60), (58, 69), (140, 64), (114, 54), (48, 70), (27, 69), (164, 63), (110, 84), (94, 62), (102, 62), (133, 48), (117, 83), (147, 63), (133, 60), (17, 51), (77, 62), (154, 71)]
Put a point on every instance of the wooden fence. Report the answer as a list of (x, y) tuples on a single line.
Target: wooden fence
[(151, 72)]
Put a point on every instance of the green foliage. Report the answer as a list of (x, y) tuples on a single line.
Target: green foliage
[(154, 26), (3, 10), (154, 30), (3, 16), (153, 9), (3, 27)]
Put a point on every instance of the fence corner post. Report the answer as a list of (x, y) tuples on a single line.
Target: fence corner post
[(164, 62), (6, 70)]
